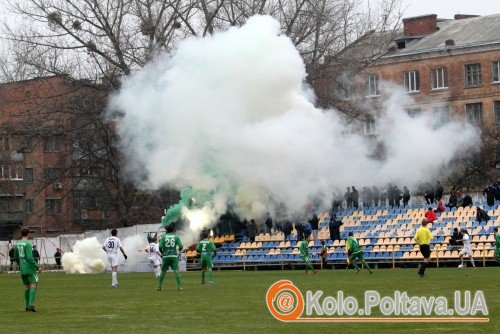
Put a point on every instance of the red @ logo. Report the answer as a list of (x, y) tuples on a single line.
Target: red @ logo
[(284, 300)]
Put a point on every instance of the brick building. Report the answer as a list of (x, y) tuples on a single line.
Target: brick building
[(449, 67), (60, 170), (43, 172)]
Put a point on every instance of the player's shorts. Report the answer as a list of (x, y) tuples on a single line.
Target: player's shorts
[(155, 262), (29, 279), (426, 251), (170, 263), (305, 258), (113, 259), (356, 255), (465, 251), (206, 262)]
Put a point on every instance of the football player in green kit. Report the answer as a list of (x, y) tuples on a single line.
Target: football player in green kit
[(170, 245), (354, 252), (23, 255), (206, 248), (304, 254)]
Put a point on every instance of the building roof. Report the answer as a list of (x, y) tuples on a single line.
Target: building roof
[(473, 31)]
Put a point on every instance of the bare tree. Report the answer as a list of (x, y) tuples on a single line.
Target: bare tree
[(91, 44), (100, 40)]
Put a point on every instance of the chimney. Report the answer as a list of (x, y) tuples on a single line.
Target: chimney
[(420, 25), (463, 16)]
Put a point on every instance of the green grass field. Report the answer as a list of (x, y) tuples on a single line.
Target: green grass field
[(236, 304)]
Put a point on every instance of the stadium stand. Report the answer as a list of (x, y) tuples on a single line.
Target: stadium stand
[(385, 234)]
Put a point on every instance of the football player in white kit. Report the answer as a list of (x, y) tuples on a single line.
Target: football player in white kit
[(154, 255), (111, 246), (467, 249)]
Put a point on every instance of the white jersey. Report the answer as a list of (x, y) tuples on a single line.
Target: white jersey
[(112, 244), (153, 251), (466, 241)]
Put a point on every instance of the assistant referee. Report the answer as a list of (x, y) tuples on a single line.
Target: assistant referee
[(423, 238)]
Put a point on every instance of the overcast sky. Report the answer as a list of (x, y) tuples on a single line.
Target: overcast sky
[(443, 8), (448, 8)]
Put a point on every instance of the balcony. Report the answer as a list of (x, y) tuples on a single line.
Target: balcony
[(15, 187), (9, 217)]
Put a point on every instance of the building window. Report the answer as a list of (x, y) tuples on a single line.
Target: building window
[(345, 90), (474, 113), (4, 172), (29, 175), (414, 112), (412, 81), (14, 173), (9, 172), (52, 206), (369, 125), (51, 174), (4, 144), (28, 144), (441, 115), (53, 143), (497, 111), (30, 205), (371, 85), (349, 126), (473, 75), (439, 78), (496, 71)]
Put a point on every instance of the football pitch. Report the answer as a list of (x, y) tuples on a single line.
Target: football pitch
[(235, 304)]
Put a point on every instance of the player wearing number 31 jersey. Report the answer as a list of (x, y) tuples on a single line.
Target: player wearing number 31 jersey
[(111, 247)]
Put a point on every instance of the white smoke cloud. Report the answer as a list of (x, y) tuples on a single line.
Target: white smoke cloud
[(230, 114), (87, 257)]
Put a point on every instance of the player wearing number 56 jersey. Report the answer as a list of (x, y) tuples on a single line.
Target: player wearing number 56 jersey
[(206, 249), (111, 247), (170, 245)]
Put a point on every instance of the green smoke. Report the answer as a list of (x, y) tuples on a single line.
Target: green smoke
[(190, 198)]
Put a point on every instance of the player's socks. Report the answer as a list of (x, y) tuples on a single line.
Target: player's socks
[(355, 265), (309, 267), (32, 297), (203, 276), (367, 266), (178, 280), (210, 276), (472, 261), (27, 297), (114, 278), (160, 280)]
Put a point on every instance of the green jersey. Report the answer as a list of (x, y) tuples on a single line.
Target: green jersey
[(168, 245), (23, 255), (352, 245), (304, 248), (497, 241), (205, 247)]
